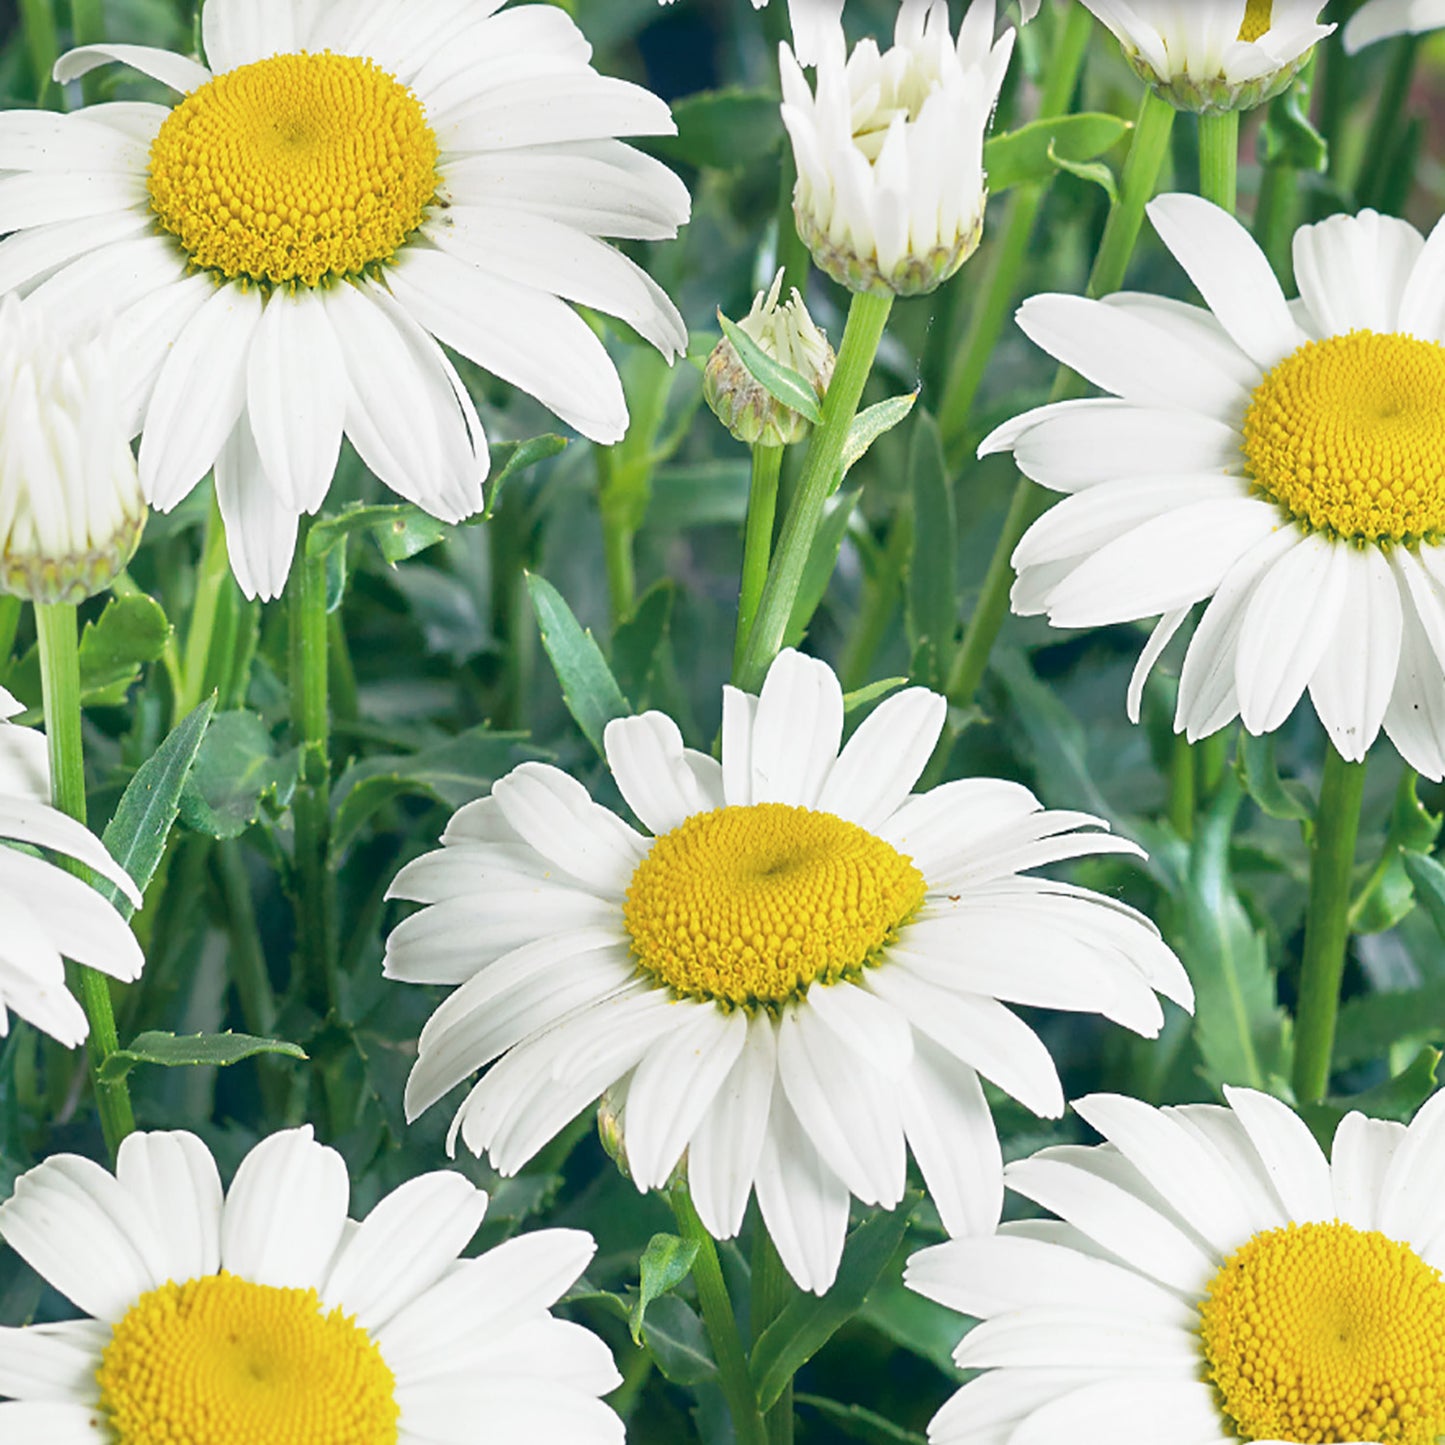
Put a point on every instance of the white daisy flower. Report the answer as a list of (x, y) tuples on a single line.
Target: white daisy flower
[(49, 915), (810, 21), (1380, 19), (349, 183), (1211, 1278), (265, 1314), (71, 509), (795, 975), (890, 194), (1209, 55), (1285, 460)]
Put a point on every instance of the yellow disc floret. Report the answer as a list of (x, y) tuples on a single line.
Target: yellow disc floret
[(1347, 435), (1323, 1332), (1257, 19), (747, 906), (223, 1361), (294, 169)]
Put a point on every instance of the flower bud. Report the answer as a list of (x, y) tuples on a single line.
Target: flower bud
[(71, 510), (787, 334)]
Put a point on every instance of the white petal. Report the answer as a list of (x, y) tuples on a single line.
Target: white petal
[(1296, 1166), (1415, 717), (177, 71), (740, 710), (1359, 1165), (80, 923), (1183, 1411), (56, 1363), (46, 1422), (174, 1179), (1409, 1208), (796, 730), (260, 527), (1353, 270), (884, 758), (238, 32), (26, 821), (1159, 639), (659, 777)]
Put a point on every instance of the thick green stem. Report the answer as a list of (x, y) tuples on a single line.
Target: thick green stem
[(1384, 133), (42, 44), (55, 626), (1219, 158), (867, 316), (311, 804), (87, 27), (1274, 217), (212, 576), (1327, 929), (721, 1324), (618, 532), (772, 1289), (1183, 794), (1141, 172), (757, 542)]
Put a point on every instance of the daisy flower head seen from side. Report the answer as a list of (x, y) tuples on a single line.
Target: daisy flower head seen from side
[(346, 186), (263, 1313), (794, 976), (889, 147), (1282, 461), (1213, 55), (48, 914), (1380, 19), (1211, 1277)]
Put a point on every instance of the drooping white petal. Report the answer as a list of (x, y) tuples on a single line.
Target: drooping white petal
[(260, 527), (177, 71)]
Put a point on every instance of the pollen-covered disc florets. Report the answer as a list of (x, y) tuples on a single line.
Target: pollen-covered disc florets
[(890, 194), (71, 510), (786, 332)]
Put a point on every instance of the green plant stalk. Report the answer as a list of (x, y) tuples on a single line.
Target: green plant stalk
[(55, 626), (211, 577), (772, 1289), (618, 532), (42, 45), (997, 285), (311, 805), (867, 316), (10, 609), (879, 603), (1384, 133), (1147, 150), (757, 542), (1219, 158), (721, 1324), (1327, 929), (87, 27), (1274, 217)]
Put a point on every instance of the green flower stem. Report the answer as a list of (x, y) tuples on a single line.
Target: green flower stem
[(1327, 930), (772, 1289), (1274, 217), (618, 531), (867, 316), (1219, 158), (1141, 172), (997, 284), (211, 578), (721, 1324), (311, 805), (42, 45), (757, 542), (10, 609), (1384, 133), (55, 626), (87, 27)]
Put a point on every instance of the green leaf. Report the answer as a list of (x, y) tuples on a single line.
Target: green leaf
[(860, 1424), (588, 687), (722, 129), (191, 1050), (235, 769), (1397, 1098), (862, 696), (1370, 1026), (399, 531), (1033, 152), (677, 1342), (808, 1322), (641, 644), (1258, 773), (1389, 893), (137, 832), (1428, 878), (455, 772), (509, 458), (665, 1263), (931, 611), (1288, 139), (781, 382), (870, 424)]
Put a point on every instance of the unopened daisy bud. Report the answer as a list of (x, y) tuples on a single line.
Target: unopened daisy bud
[(787, 334), (71, 510), (890, 194), (610, 1134), (1223, 55)]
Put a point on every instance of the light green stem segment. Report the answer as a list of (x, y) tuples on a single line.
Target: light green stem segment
[(1141, 172), (757, 543), (55, 626), (311, 804), (1327, 929), (772, 1289), (210, 580), (867, 316), (1219, 158), (618, 531), (721, 1324), (41, 44)]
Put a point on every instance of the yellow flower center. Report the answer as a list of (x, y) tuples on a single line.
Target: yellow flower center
[(1257, 19), (1348, 436), (1323, 1332), (748, 906), (294, 169), (222, 1361)]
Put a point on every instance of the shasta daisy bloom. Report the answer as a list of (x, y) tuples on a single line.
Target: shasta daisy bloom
[(1211, 55), (1211, 1278), (265, 1314), (345, 185), (49, 915), (795, 974), (890, 194), (1380, 19), (1283, 461)]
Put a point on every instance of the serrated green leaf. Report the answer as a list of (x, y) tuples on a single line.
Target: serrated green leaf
[(588, 687), (1035, 151), (1255, 763), (809, 1321), (782, 383), (1388, 894), (137, 832), (1370, 1026), (129, 633), (235, 769), (677, 1342), (665, 1263), (193, 1050), (1397, 1098), (870, 424), (931, 594)]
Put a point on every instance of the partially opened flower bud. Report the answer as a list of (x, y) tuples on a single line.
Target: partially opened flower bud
[(890, 193), (71, 510), (787, 334)]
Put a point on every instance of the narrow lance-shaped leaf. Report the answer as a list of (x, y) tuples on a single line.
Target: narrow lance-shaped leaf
[(191, 1051), (781, 382)]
